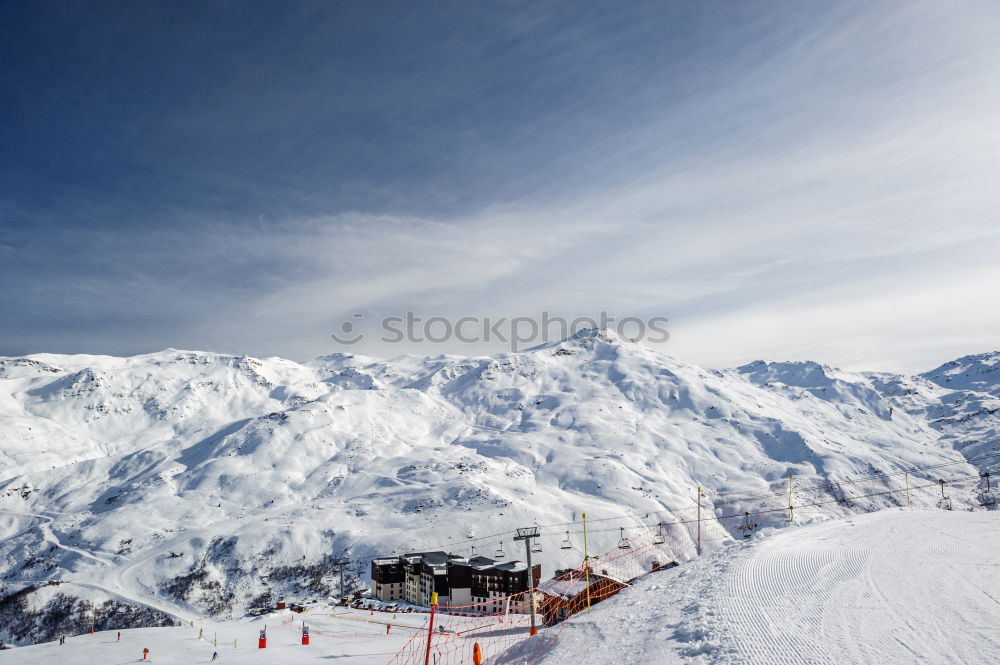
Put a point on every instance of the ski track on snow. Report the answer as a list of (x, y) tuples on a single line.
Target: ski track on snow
[(117, 587), (802, 600)]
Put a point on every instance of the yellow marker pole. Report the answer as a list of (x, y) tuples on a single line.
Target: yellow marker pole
[(906, 478), (586, 561)]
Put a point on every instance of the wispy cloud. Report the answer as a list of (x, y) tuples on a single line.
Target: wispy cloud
[(816, 182)]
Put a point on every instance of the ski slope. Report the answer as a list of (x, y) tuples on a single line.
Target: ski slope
[(896, 586), (341, 635)]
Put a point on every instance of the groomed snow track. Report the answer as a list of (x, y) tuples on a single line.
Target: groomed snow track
[(892, 587), (852, 591)]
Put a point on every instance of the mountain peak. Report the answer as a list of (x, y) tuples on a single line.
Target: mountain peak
[(980, 371), (586, 338), (803, 373)]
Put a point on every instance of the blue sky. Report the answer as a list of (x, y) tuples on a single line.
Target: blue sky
[(780, 179)]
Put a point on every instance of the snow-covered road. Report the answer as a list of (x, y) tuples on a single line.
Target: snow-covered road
[(107, 577), (895, 586)]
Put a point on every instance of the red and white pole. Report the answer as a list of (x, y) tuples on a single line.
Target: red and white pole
[(430, 628)]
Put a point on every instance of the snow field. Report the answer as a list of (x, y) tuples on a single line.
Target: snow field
[(344, 635), (896, 586)]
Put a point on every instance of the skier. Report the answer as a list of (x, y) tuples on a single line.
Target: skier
[(387, 627), (215, 656)]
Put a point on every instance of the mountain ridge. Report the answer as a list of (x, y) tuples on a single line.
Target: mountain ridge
[(227, 457)]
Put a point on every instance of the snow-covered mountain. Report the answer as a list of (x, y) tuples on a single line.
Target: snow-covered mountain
[(190, 482)]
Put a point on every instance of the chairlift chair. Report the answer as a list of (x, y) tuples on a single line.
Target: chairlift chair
[(944, 503), (499, 553), (986, 494), (658, 538), (566, 544), (746, 526), (623, 543), (536, 547)]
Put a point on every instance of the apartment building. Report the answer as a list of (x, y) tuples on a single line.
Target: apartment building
[(458, 580)]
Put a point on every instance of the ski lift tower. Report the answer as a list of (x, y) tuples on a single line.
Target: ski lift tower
[(341, 563), (527, 534)]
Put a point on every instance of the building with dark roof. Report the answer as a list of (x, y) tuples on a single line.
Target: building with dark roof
[(457, 580)]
